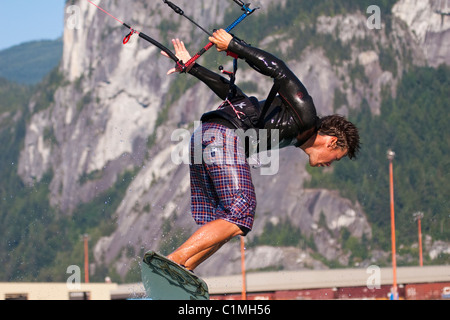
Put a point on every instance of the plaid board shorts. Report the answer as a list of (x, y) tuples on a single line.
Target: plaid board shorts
[(221, 182)]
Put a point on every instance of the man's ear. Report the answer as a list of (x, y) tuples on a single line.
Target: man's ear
[(332, 142)]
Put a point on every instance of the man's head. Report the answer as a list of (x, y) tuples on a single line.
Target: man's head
[(336, 138)]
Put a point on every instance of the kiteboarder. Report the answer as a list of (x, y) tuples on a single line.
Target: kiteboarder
[(223, 197)]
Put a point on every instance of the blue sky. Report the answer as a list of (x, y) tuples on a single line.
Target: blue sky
[(28, 20)]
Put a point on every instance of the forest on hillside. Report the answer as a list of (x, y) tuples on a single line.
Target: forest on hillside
[(29, 62), (39, 241)]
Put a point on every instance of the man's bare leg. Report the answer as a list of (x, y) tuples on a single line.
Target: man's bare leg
[(204, 243), (200, 257)]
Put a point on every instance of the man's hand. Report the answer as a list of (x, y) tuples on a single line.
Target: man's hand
[(221, 39), (181, 53)]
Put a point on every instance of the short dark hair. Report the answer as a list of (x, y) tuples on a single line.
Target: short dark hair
[(346, 132)]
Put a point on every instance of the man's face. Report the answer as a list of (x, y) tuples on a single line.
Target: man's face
[(325, 154)]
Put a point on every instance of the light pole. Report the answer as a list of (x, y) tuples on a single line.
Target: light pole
[(244, 280), (86, 258), (391, 156), (419, 216)]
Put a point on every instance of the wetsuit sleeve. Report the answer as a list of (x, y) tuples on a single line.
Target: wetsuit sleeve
[(291, 91), (218, 84)]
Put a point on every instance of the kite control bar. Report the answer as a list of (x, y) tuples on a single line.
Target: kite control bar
[(244, 7)]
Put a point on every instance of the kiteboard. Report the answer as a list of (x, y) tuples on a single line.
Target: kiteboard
[(164, 279)]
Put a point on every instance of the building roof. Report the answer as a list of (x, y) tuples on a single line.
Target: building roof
[(333, 278), (311, 279)]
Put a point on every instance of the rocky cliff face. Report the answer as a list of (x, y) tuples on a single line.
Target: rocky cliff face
[(117, 111), (429, 23)]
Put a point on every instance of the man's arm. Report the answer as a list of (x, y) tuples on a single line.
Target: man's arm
[(218, 84), (292, 91)]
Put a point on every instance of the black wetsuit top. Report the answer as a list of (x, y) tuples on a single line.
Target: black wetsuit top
[(292, 111)]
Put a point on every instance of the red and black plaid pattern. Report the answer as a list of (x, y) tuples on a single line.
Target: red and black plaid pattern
[(221, 183)]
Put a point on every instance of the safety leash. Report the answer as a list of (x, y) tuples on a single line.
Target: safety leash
[(247, 12)]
